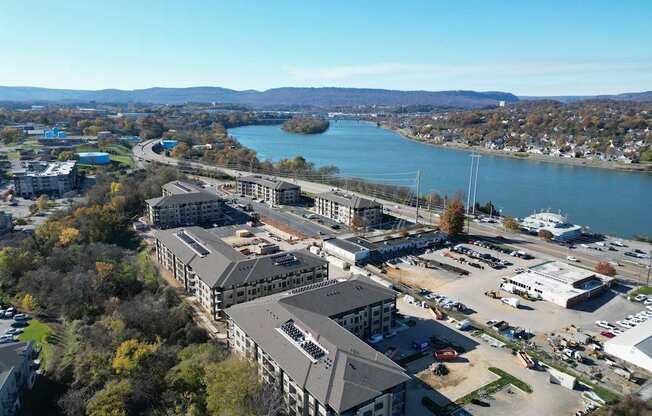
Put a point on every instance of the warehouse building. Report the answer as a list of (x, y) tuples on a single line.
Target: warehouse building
[(561, 283), (221, 276), (306, 342), (183, 204), (633, 346), (46, 178), (272, 191), (352, 210)]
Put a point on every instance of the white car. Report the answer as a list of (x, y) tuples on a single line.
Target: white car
[(640, 298), (572, 258), (618, 243), (624, 324), (616, 331), (649, 307), (604, 324)]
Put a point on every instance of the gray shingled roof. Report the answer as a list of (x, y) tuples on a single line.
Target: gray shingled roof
[(269, 183), (181, 187), (352, 372), (226, 267), (11, 356), (348, 200), (182, 198)]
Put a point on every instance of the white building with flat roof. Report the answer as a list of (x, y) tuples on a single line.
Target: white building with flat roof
[(561, 283), (633, 346), (558, 225), (45, 178)]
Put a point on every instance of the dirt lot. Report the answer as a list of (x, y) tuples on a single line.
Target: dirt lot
[(471, 372)]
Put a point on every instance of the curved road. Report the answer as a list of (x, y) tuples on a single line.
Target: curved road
[(144, 152)]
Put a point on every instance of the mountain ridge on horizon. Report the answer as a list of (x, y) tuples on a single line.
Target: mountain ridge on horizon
[(289, 96)]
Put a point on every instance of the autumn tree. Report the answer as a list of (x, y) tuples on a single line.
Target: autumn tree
[(232, 388), (452, 219), (131, 353), (112, 400), (545, 234), (510, 224), (605, 268)]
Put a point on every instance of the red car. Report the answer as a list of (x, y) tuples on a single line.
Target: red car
[(607, 334)]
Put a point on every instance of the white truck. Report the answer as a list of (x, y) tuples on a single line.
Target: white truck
[(513, 302)]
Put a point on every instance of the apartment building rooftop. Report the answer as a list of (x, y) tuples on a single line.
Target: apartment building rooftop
[(335, 366), (220, 265), (348, 200), (181, 187), (11, 356), (182, 198), (42, 169), (269, 183)]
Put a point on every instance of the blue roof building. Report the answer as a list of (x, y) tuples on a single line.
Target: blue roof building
[(94, 158)]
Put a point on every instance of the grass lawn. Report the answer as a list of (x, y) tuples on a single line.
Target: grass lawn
[(37, 331), (125, 160), (644, 290)]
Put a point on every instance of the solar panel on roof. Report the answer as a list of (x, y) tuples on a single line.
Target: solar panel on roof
[(192, 243)]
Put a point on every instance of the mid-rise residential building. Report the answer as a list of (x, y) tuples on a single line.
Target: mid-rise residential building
[(183, 204), (46, 178), (221, 276), (6, 224), (305, 343), (17, 375), (271, 191), (349, 209)]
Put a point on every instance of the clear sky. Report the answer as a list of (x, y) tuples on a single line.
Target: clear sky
[(525, 47)]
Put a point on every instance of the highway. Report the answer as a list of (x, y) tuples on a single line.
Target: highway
[(532, 244)]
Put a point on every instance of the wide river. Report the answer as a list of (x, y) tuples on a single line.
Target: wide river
[(607, 201)]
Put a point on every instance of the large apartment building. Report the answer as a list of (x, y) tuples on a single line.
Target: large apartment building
[(271, 191), (183, 204), (349, 209), (45, 178), (306, 344), (220, 276)]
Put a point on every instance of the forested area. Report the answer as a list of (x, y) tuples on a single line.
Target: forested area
[(306, 125), (121, 343)]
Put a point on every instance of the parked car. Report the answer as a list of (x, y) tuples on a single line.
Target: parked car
[(572, 258), (640, 298), (14, 331), (9, 314), (22, 317), (607, 334)]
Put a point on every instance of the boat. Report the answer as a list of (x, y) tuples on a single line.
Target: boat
[(525, 359), (446, 354)]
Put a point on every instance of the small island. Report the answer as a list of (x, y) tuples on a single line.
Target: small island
[(306, 125)]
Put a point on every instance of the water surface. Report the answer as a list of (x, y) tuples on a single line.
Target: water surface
[(607, 201)]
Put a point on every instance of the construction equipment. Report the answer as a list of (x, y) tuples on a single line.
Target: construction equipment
[(493, 294)]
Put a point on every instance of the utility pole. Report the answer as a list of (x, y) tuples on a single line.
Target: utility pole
[(416, 220), (468, 194)]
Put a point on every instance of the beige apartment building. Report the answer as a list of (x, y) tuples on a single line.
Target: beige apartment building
[(271, 191), (305, 343), (183, 204), (352, 210), (220, 276)]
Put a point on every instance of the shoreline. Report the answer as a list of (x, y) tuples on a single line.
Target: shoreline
[(597, 164)]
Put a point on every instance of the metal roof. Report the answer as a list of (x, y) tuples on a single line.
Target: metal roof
[(351, 372)]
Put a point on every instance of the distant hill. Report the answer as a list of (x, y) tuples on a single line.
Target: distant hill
[(640, 97), (315, 97)]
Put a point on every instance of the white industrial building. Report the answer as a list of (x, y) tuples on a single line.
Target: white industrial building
[(561, 283), (633, 346), (558, 225), (352, 250)]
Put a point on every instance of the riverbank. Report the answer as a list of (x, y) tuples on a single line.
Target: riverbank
[(599, 164)]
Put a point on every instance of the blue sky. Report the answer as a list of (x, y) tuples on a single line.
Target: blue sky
[(529, 48)]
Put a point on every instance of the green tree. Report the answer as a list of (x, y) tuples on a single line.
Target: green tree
[(66, 155), (232, 388), (452, 219), (112, 400)]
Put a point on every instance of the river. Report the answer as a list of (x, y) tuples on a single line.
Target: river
[(607, 201)]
